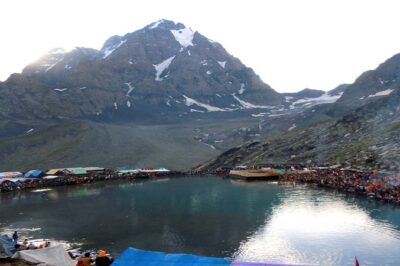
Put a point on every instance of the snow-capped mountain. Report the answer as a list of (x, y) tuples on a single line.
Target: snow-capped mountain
[(165, 68), (376, 83)]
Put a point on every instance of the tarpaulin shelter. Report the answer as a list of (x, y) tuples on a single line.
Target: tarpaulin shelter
[(53, 255), (34, 174), (94, 169), (77, 171), (10, 174), (133, 256), (128, 171), (6, 247), (56, 171)]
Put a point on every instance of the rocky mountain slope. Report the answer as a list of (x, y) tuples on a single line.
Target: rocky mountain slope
[(163, 69), (368, 137), (361, 129), (168, 96)]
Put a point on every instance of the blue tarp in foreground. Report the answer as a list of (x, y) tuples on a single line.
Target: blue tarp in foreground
[(133, 256)]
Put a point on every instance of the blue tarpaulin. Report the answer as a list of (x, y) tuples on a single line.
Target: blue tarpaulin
[(7, 246), (33, 173), (133, 256)]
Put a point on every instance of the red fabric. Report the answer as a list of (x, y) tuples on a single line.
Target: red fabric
[(357, 263)]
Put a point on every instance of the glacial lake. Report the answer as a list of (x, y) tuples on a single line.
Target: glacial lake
[(260, 222)]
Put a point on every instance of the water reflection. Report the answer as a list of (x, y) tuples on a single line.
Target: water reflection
[(318, 229), (264, 222)]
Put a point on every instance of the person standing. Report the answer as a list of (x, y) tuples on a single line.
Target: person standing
[(15, 237)]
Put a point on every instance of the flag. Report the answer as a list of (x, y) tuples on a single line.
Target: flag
[(357, 263)]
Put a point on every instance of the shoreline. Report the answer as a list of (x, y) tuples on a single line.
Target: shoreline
[(370, 185), (71, 180)]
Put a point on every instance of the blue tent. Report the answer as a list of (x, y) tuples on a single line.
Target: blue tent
[(133, 256), (33, 173)]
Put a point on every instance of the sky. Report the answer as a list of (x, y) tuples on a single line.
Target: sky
[(291, 44)]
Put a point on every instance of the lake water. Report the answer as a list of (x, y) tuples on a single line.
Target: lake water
[(261, 222)]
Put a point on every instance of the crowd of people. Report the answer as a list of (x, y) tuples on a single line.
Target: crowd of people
[(381, 186), (87, 259), (102, 259)]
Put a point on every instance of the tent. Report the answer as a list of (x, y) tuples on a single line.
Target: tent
[(55, 171), (94, 169), (53, 255), (133, 256), (128, 171), (34, 173), (77, 171), (10, 174)]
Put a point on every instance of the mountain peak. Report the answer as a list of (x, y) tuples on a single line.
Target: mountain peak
[(165, 24)]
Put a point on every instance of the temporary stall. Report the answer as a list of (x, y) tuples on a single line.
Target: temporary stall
[(159, 170), (77, 171), (11, 175), (57, 171), (128, 171), (53, 255), (34, 174), (94, 169)]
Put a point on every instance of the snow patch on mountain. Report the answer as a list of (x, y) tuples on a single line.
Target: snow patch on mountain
[(288, 98), (324, 98), (209, 108), (247, 105), (162, 66), (130, 88), (109, 50), (208, 72), (381, 93), (115, 106), (292, 127), (259, 115), (128, 103), (61, 90), (184, 36), (156, 24), (222, 63), (195, 111), (241, 88), (49, 66)]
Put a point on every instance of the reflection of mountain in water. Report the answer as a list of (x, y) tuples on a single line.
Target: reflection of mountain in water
[(312, 227)]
